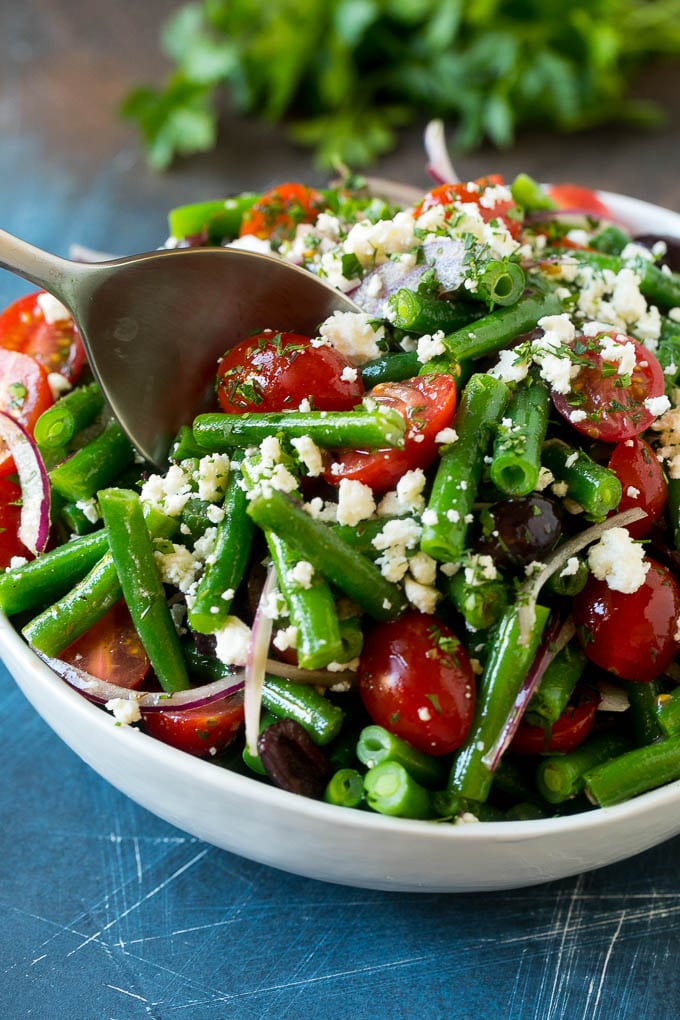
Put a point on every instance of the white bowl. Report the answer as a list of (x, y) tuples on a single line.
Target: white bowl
[(320, 841)]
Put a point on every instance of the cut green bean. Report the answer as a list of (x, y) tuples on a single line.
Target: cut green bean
[(633, 773), (530, 195), (643, 712), (500, 283), (560, 777), (611, 240), (422, 313), (376, 745), (668, 713), (185, 447), (390, 790), (345, 789), (592, 486), (47, 577), (376, 428), (673, 510), (516, 457), (390, 368), (93, 466), (557, 685), (445, 523), (569, 584), (133, 555), (321, 718), (57, 426), (217, 220), (480, 604), (253, 761), (505, 672), (659, 287), (494, 331)]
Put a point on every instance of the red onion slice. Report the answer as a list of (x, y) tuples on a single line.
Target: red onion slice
[(439, 165), (256, 666), (34, 528)]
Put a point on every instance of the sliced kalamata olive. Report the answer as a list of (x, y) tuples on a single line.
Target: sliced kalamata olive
[(671, 256), (517, 531), (292, 759)]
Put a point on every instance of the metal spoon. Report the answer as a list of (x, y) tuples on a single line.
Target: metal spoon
[(154, 325)]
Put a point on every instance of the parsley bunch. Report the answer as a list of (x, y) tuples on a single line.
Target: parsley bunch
[(345, 74)]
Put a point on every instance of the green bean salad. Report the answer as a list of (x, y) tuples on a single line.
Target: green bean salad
[(424, 562)]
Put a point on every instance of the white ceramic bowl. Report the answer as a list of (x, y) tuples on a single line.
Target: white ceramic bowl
[(320, 841)]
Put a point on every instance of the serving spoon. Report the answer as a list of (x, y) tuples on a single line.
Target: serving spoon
[(154, 325)]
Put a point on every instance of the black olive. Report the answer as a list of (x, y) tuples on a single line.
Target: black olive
[(517, 531), (671, 257), (292, 759)]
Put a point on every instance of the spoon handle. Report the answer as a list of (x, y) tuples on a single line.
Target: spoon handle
[(49, 272)]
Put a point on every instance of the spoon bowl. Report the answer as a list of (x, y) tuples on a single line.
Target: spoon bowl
[(154, 325)]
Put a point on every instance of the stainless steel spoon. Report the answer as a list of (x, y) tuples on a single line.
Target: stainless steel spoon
[(154, 325)]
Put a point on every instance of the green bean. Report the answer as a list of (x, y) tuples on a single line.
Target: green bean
[(611, 240), (57, 426), (494, 331), (663, 289), (185, 447), (376, 428), (673, 510), (218, 219), (516, 457), (560, 777), (551, 698), (568, 585), (376, 745), (454, 490), (481, 604), (643, 712), (506, 670), (93, 466), (133, 555), (76, 521), (321, 718), (47, 577), (194, 518), (500, 283), (513, 778), (668, 713), (451, 806), (226, 569), (353, 573), (390, 368), (594, 487), (635, 772), (422, 313), (390, 790), (253, 761), (530, 195), (345, 789), (525, 811)]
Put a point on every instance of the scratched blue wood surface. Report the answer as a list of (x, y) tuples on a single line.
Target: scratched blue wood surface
[(107, 913)]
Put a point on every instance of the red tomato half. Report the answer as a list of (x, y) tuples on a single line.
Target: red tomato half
[(633, 636), (24, 394), (428, 403), (613, 403), (111, 650), (277, 213), (570, 730), (10, 518), (473, 191), (276, 371), (55, 345), (204, 731), (573, 197), (416, 681), (636, 467)]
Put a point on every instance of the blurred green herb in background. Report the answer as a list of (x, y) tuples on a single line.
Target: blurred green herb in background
[(345, 74)]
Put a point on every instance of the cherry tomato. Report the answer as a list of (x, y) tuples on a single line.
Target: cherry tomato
[(573, 197), (636, 467), (427, 402), (24, 394), (277, 213), (613, 403), (111, 650), (10, 518), (633, 636), (570, 730), (447, 194), (416, 681), (276, 371), (204, 731), (55, 345)]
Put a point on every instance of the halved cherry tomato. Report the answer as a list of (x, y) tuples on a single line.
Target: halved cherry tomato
[(632, 635), (446, 194), (636, 467), (111, 650), (428, 403), (10, 518), (24, 394), (277, 213), (613, 403), (416, 681), (205, 731), (276, 371), (570, 730), (57, 346), (573, 197)]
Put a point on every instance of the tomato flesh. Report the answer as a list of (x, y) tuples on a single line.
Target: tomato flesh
[(57, 346), (613, 403), (24, 394), (635, 465), (416, 681), (566, 733), (10, 519), (428, 403), (575, 198), (277, 371), (276, 215), (631, 635), (473, 192), (204, 731), (111, 650)]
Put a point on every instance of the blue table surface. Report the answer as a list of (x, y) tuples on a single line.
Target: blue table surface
[(108, 912)]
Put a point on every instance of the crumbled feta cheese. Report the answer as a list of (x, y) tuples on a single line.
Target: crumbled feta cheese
[(251, 242), (430, 517), (58, 383), (423, 596), (89, 508), (423, 568), (570, 567), (657, 405), (232, 641), (349, 374), (618, 560), (373, 243), (213, 473), (620, 354), (302, 574), (310, 455), (632, 492), (409, 491), (430, 346), (125, 710), (446, 436), (168, 493), (285, 639), (355, 502), (353, 335), (545, 478), (17, 561), (178, 567), (52, 309), (577, 415)]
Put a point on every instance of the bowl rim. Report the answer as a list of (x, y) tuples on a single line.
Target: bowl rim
[(204, 771)]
